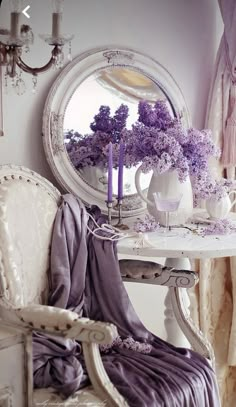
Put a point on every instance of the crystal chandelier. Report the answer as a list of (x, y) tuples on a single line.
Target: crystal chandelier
[(18, 39)]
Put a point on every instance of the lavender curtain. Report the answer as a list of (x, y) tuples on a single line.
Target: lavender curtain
[(221, 114)]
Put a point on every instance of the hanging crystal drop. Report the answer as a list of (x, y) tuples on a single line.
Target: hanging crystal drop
[(13, 82), (8, 70), (69, 56), (59, 60), (6, 82), (27, 37), (26, 49), (55, 62), (54, 66), (20, 87), (35, 81)]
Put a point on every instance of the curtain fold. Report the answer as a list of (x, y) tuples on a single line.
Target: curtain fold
[(217, 288)]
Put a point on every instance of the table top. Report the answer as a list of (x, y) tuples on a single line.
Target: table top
[(185, 243)]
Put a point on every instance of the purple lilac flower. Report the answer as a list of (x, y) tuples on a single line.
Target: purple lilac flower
[(219, 227), (111, 125), (157, 116), (88, 149), (221, 188), (203, 185), (206, 187), (168, 146), (127, 343), (149, 224), (102, 120), (119, 121), (91, 149)]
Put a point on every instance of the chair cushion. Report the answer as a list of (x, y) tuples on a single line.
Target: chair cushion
[(85, 397), (27, 213)]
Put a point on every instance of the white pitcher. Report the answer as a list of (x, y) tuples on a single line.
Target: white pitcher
[(169, 185), (219, 209)]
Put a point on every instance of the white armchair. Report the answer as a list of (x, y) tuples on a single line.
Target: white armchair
[(28, 205)]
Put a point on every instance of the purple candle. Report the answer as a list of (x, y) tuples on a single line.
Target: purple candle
[(120, 171), (110, 168)]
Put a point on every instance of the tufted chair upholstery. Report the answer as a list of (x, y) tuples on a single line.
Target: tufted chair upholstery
[(27, 212), (28, 205)]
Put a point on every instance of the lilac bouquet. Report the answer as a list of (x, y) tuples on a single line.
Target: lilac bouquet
[(159, 142), (92, 149)]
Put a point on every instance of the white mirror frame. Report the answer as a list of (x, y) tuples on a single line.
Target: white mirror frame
[(60, 94)]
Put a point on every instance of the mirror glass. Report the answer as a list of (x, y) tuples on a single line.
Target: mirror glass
[(111, 87)]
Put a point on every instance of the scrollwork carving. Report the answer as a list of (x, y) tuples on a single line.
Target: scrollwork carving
[(91, 331), (119, 57), (56, 127), (181, 278), (156, 274)]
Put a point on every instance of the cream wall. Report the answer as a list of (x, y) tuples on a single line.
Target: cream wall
[(182, 35)]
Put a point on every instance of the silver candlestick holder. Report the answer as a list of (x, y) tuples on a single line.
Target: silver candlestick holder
[(120, 225), (109, 209)]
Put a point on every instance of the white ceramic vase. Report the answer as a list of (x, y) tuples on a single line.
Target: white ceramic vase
[(219, 209), (170, 187)]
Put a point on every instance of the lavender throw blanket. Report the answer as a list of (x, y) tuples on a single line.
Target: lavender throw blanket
[(85, 277)]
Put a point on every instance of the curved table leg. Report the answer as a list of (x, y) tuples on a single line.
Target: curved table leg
[(175, 336)]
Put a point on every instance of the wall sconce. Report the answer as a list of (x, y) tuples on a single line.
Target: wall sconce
[(20, 37)]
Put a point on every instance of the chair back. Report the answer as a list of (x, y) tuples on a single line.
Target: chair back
[(28, 205)]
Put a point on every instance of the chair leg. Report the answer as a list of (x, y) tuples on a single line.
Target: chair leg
[(198, 341), (174, 332), (99, 378), (29, 369), (177, 309)]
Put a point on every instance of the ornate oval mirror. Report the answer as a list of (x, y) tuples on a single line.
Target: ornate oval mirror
[(102, 77)]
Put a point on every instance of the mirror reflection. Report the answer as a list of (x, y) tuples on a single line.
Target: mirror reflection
[(111, 87)]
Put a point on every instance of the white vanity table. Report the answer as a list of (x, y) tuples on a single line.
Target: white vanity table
[(12, 368), (178, 251)]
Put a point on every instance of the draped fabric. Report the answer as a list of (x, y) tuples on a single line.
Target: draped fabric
[(85, 277), (217, 288)]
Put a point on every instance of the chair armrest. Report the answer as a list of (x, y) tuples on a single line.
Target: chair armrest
[(68, 324), (61, 322), (153, 273)]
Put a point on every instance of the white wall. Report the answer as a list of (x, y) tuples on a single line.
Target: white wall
[(182, 35)]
